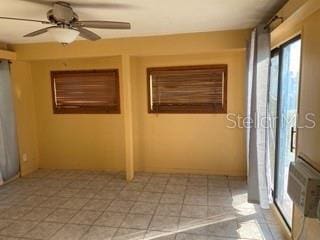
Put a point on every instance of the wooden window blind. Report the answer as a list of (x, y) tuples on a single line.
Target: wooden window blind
[(87, 91), (188, 89)]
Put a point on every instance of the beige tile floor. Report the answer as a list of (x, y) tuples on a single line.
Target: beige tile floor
[(92, 205)]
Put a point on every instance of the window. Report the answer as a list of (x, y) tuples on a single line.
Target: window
[(94, 91), (189, 89)]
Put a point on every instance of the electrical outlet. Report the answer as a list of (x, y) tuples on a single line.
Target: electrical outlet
[(24, 157)]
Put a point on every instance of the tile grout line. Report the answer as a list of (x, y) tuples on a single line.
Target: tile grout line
[(158, 205), (68, 222), (78, 177)]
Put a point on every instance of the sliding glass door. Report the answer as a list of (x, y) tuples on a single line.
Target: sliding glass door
[(283, 101), (9, 154)]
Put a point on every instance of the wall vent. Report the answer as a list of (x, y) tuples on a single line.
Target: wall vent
[(304, 187)]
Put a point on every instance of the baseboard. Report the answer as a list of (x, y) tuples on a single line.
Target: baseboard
[(191, 171), (25, 173), (84, 169), (11, 179), (153, 170)]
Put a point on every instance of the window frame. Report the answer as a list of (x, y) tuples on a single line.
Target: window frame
[(185, 110), (86, 110)]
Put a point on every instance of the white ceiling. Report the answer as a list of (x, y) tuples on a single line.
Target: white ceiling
[(148, 17)]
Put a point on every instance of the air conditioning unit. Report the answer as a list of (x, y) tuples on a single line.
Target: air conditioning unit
[(304, 187)]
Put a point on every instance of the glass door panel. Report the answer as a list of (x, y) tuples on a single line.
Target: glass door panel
[(273, 110), (287, 113)]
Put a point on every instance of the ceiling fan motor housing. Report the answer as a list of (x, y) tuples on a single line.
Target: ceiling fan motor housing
[(62, 13)]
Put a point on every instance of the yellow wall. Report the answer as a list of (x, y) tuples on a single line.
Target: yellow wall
[(192, 43), (308, 139), (76, 141), (164, 142), (189, 142), (199, 143)]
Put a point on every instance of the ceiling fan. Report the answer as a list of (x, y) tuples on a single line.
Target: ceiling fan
[(65, 26)]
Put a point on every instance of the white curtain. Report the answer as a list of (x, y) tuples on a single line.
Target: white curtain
[(259, 178), (9, 157)]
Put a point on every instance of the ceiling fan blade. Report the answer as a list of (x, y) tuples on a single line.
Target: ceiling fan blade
[(24, 19), (38, 32), (85, 33), (81, 4), (104, 24)]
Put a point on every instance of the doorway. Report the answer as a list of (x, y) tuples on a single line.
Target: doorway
[(283, 99)]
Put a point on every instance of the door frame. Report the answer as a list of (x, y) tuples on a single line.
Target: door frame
[(279, 51)]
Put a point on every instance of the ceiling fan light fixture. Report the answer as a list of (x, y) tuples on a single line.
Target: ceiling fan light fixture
[(63, 35)]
